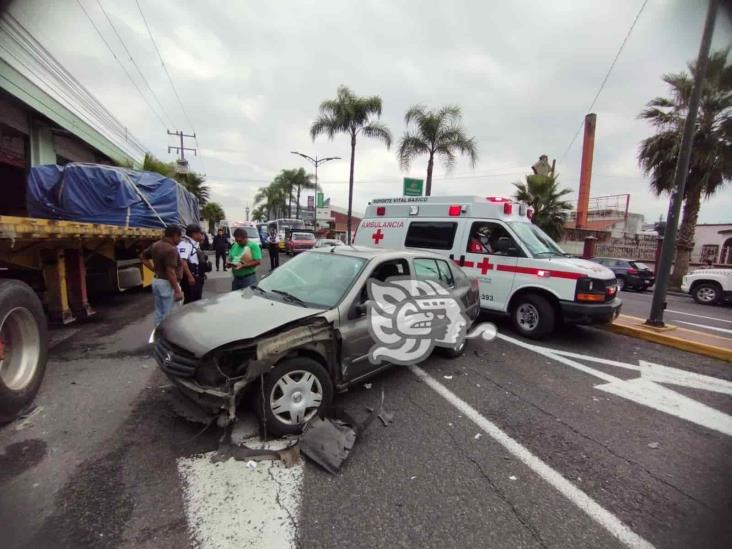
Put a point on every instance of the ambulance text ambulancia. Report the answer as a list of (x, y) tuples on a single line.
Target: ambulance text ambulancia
[(522, 271)]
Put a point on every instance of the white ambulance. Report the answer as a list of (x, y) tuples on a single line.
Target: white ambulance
[(522, 271)]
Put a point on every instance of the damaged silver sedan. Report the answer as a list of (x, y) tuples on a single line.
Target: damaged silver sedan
[(286, 345)]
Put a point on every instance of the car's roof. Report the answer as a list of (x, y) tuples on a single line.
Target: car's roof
[(370, 253)]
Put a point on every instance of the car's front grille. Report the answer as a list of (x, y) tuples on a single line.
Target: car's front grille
[(174, 360)]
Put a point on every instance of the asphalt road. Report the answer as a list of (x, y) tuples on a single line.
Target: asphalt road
[(511, 445), (682, 311)]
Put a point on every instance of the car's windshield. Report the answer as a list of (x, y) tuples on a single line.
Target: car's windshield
[(252, 232), (318, 279), (537, 241), (303, 236)]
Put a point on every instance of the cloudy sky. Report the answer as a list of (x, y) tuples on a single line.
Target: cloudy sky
[(252, 74)]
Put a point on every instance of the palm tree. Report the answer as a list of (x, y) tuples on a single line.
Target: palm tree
[(272, 199), (152, 164), (544, 197), (711, 157), (259, 214), (300, 181), (352, 115), (437, 132), (194, 183), (213, 213)]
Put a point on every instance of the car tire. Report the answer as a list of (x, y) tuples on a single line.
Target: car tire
[(312, 381), (24, 341), (453, 352), (533, 316), (707, 293), (621, 283)]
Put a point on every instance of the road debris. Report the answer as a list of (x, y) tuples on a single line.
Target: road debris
[(512, 477), (477, 436), (654, 445), (251, 464), (24, 420), (368, 385), (447, 377), (328, 442), (289, 455), (387, 418)]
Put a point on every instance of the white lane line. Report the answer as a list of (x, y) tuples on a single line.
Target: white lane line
[(723, 330), (230, 505), (699, 316), (596, 512)]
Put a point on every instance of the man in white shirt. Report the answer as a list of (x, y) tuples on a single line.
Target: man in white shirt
[(193, 269), (273, 245)]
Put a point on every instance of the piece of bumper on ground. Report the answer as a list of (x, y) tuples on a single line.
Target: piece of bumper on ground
[(590, 313)]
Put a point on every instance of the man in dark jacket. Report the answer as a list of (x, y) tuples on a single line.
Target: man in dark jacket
[(221, 247)]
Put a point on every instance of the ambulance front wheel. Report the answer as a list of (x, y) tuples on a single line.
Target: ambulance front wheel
[(533, 316)]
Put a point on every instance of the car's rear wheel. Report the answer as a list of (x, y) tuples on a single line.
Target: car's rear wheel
[(621, 283), (295, 391), (533, 316), (707, 293), (453, 352)]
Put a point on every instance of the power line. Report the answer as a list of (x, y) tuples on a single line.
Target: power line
[(607, 76), (129, 76), (170, 78), (134, 63)]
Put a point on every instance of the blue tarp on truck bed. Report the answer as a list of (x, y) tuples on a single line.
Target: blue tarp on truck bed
[(96, 193)]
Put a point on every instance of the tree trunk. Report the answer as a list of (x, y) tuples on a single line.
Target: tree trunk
[(430, 165), (685, 238), (297, 206), (350, 187)]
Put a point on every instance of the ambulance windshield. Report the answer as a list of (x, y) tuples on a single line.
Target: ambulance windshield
[(537, 241)]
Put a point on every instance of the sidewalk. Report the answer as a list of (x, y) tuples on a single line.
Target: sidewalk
[(673, 336)]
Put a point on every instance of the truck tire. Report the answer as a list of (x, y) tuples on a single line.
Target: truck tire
[(707, 293), (23, 347), (533, 316), (296, 384)]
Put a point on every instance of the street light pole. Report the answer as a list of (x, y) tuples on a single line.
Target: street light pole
[(663, 269), (316, 162)]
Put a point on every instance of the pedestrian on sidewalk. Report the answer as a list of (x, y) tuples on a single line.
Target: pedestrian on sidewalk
[(273, 246), (162, 258), (244, 256), (194, 263), (221, 248)]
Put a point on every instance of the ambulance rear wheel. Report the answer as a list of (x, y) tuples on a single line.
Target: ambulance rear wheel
[(533, 316)]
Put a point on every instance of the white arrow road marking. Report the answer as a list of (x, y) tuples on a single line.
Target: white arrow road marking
[(646, 391), (231, 505), (705, 326), (698, 316), (662, 374), (594, 510)]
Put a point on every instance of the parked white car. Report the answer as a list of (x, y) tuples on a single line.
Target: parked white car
[(709, 286)]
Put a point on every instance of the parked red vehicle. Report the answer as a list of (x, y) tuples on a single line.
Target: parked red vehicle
[(300, 242)]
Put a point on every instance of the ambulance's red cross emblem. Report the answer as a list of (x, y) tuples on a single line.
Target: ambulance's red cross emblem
[(377, 236), (484, 266)]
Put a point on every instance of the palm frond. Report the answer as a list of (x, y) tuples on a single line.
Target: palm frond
[(378, 130)]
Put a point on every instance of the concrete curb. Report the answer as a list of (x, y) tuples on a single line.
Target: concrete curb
[(673, 338)]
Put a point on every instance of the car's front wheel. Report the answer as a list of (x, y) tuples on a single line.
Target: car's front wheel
[(707, 293), (533, 316), (295, 391)]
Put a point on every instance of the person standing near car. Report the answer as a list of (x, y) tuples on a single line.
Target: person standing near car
[(273, 245), (244, 256), (162, 258), (221, 247), (194, 262)]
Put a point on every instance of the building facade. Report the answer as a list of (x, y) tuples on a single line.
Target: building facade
[(713, 242)]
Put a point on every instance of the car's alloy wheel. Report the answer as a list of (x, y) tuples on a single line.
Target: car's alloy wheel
[(296, 397), (706, 294), (621, 284)]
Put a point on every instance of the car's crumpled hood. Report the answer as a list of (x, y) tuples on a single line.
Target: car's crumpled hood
[(589, 268), (204, 325)]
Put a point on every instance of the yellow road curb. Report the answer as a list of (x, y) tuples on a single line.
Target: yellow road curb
[(672, 338)]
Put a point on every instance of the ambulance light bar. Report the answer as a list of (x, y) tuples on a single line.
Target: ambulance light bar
[(507, 208), (381, 210), (455, 210)]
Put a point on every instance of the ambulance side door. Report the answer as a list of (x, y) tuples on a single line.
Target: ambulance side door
[(493, 259)]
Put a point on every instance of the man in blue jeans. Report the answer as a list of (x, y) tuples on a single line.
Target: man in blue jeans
[(244, 256), (163, 259)]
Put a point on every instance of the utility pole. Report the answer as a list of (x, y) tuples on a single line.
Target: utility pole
[(181, 162), (663, 269), (316, 162), (588, 152)]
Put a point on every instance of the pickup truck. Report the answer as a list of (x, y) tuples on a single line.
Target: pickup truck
[(709, 286)]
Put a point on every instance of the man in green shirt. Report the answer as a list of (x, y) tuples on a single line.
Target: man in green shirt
[(244, 256)]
